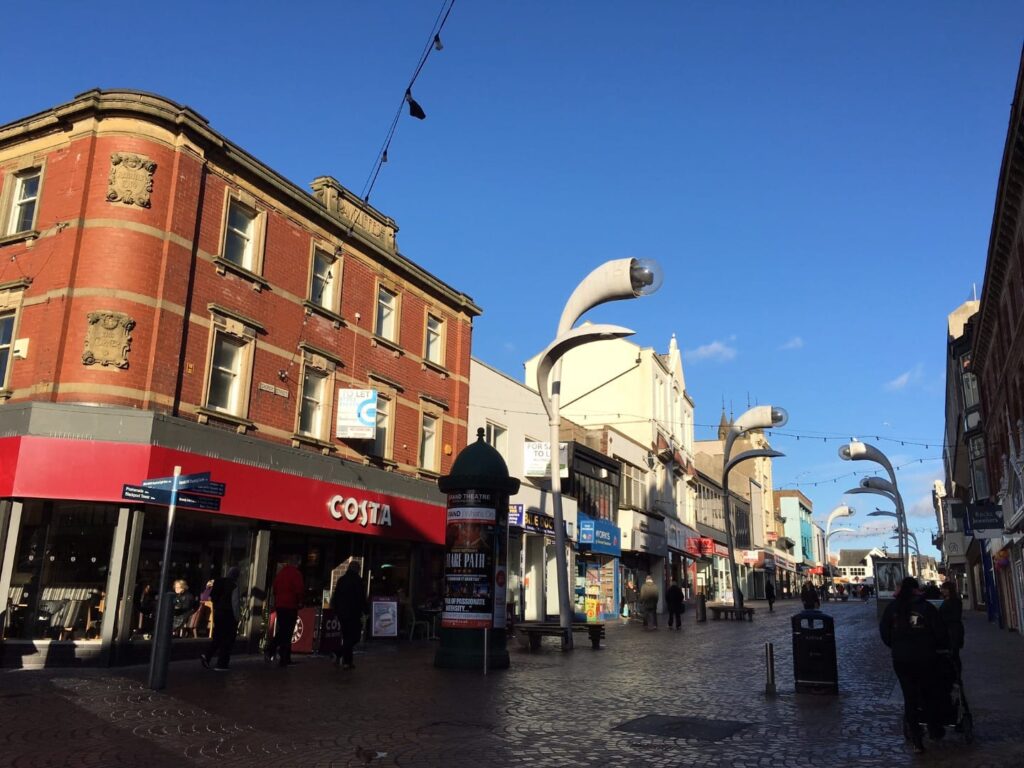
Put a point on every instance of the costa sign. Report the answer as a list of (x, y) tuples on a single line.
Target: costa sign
[(363, 511)]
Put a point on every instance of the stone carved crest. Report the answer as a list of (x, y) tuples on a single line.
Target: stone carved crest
[(108, 339), (131, 179)]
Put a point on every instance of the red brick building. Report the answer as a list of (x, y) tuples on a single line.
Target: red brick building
[(167, 299), (997, 360)]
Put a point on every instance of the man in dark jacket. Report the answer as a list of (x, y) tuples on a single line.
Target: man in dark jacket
[(349, 603), (289, 589), (674, 600), (226, 613), (649, 601), (912, 628), (809, 597), (769, 594)]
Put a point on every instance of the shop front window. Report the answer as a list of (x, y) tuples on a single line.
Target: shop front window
[(58, 588), (205, 547)]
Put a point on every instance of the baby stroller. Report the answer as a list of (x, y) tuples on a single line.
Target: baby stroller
[(949, 688)]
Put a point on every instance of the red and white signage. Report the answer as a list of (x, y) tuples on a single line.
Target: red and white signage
[(94, 470)]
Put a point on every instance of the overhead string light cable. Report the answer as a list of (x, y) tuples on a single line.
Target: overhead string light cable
[(433, 44)]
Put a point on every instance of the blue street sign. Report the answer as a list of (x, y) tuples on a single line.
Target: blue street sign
[(184, 481), (163, 496), (210, 488)]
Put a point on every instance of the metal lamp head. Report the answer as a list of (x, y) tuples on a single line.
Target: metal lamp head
[(761, 417), (877, 484), (852, 451), (645, 276)]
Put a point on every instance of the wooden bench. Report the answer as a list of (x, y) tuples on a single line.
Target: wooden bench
[(731, 612), (534, 631)]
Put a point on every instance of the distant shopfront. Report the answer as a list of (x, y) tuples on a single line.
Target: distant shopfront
[(81, 565), (597, 586), (713, 576)]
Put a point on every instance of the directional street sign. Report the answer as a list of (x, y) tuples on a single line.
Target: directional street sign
[(209, 488), (184, 481), (163, 496)]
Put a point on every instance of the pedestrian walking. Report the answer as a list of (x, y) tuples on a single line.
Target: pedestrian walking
[(628, 600), (912, 628), (809, 596), (289, 589), (226, 613), (349, 603), (769, 595), (674, 600), (184, 604), (952, 613), (649, 601)]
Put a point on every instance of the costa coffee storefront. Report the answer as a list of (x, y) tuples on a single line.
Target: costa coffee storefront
[(80, 565)]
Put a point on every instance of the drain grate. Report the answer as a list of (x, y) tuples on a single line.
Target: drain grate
[(698, 728)]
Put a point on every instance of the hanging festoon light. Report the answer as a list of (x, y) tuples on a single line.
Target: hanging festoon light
[(438, 45)]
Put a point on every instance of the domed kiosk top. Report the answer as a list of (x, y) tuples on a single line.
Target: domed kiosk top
[(479, 466)]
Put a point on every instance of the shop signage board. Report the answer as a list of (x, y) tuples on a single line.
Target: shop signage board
[(985, 521), (515, 515), (384, 617), (357, 414), (889, 572), (586, 531)]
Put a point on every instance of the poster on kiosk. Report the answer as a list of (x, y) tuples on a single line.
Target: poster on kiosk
[(474, 574)]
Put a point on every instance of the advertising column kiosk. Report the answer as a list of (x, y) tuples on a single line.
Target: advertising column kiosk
[(476, 559)]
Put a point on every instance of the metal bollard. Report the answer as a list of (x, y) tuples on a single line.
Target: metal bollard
[(701, 611), (769, 663)]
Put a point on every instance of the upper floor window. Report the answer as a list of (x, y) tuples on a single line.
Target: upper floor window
[(381, 442), (229, 366), (428, 442), (24, 202), (434, 341), (387, 314), (226, 374), (6, 342), (243, 238), (312, 411), (632, 486), (324, 280), (496, 436)]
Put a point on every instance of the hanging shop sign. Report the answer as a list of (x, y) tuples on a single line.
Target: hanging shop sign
[(700, 546), (985, 521), (515, 515)]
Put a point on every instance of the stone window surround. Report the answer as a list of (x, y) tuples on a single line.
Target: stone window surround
[(11, 296), (12, 172), (253, 272), (242, 328)]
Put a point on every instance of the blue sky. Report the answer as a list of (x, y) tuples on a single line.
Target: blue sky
[(816, 178)]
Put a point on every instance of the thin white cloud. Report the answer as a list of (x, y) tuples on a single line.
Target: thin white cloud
[(717, 351), (795, 343), (904, 379)]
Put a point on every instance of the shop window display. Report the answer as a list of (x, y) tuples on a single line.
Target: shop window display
[(204, 548), (62, 560)]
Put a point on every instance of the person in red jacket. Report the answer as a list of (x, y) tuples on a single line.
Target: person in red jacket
[(289, 589)]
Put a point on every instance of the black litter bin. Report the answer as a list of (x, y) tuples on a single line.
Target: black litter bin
[(814, 653), (701, 611)]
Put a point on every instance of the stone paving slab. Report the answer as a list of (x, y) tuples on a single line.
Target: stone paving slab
[(549, 709)]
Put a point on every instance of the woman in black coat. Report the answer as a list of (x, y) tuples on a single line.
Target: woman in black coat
[(952, 613)]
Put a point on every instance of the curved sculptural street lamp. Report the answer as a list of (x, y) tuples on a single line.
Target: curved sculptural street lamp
[(841, 511), (613, 280), (855, 450), (758, 417)]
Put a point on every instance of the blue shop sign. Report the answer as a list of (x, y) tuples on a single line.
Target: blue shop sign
[(607, 537), (586, 531)]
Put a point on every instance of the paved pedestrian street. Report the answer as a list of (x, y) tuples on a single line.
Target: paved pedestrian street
[(702, 689)]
